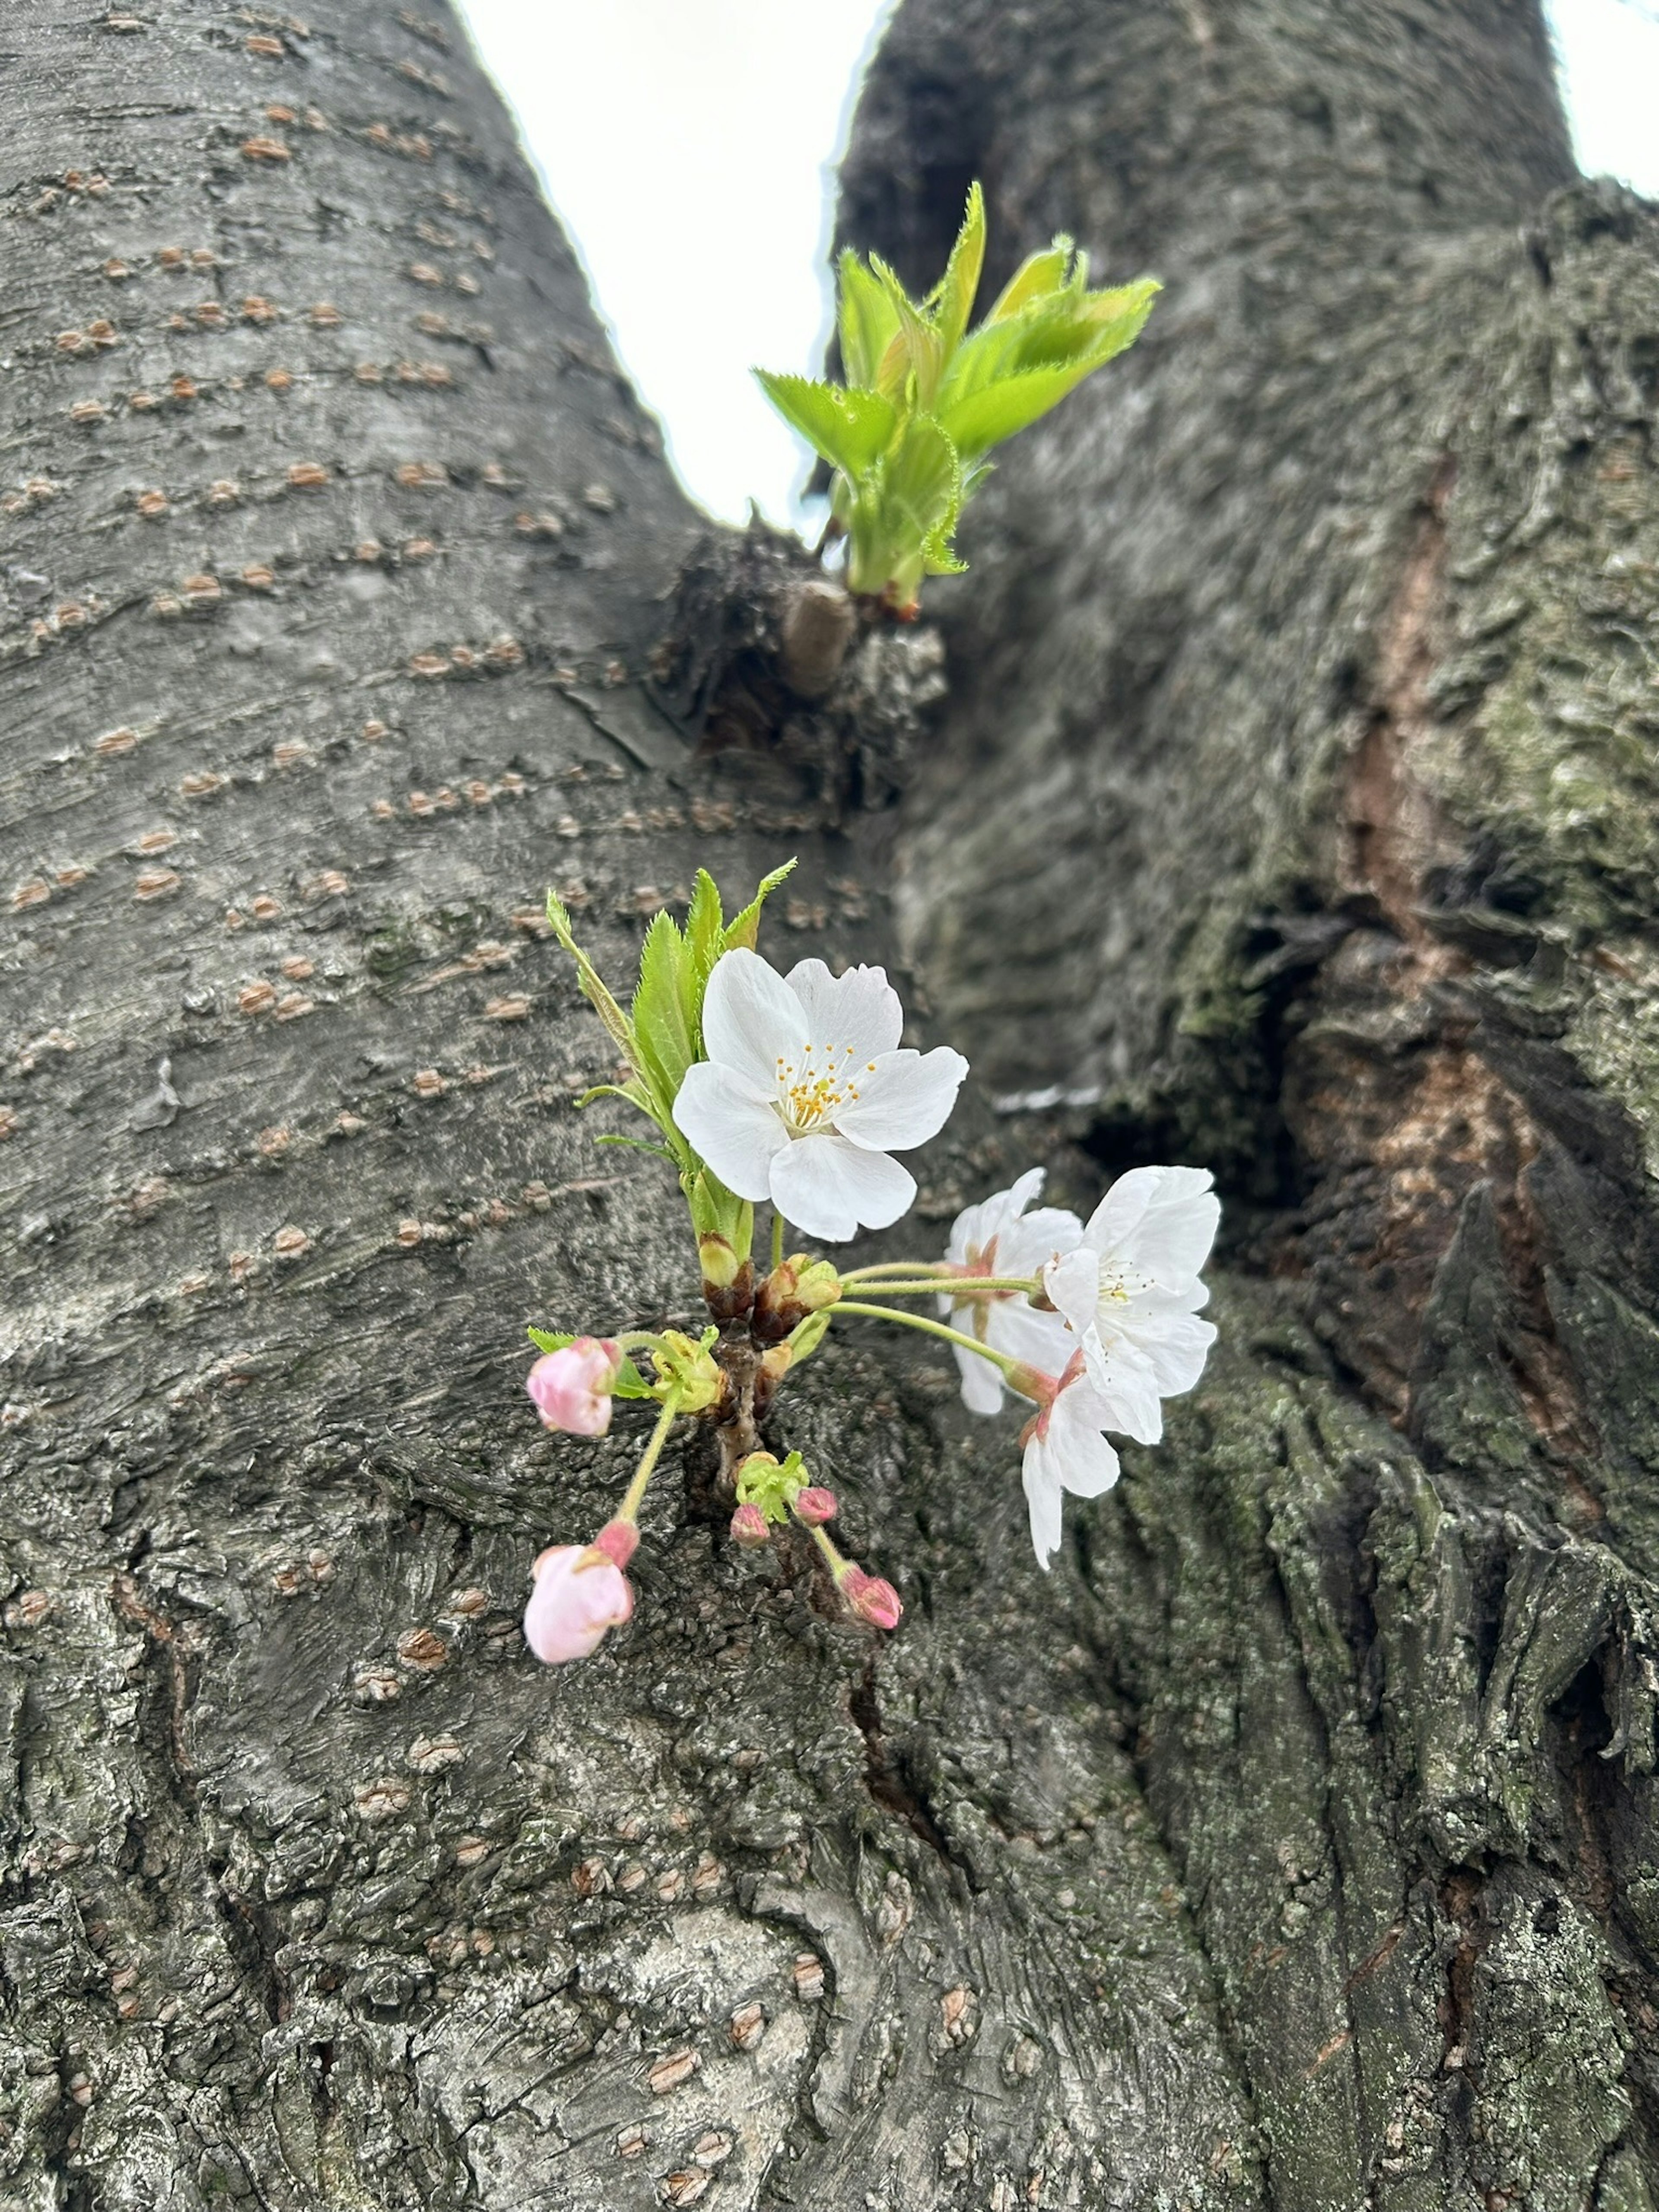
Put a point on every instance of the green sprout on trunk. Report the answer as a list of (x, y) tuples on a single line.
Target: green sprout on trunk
[(927, 399)]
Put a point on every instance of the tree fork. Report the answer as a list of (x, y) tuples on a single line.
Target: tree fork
[(1266, 1853)]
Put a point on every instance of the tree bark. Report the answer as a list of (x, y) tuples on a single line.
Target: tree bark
[(1290, 1846)]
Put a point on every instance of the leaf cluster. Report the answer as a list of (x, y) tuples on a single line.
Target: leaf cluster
[(661, 1036), (927, 399)]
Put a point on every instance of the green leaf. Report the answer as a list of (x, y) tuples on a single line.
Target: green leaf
[(921, 485), (983, 419), (630, 1383), (954, 299), (639, 1145), (1038, 274), (743, 928), (592, 983), (635, 1092), (850, 428), (705, 932), (865, 320), (1033, 359), (662, 1015), (915, 351)]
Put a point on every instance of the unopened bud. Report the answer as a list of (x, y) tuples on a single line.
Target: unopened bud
[(871, 1599), (796, 1287), (748, 1527), (817, 1284), (690, 1369), (720, 1260), (815, 1506)]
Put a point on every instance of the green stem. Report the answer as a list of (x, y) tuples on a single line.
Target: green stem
[(777, 1238), (629, 1508), (951, 1286), (906, 1268), (1002, 1359), (832, 1558), (627, 1339)]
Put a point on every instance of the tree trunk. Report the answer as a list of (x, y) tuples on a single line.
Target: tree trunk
[(1290, 1845)]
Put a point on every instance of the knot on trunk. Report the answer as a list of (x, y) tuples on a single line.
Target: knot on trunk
[(765, 653)]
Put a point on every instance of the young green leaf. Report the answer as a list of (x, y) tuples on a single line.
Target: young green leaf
[(705, 932), (866, 321), (662, 1013), (915, 360), (1036, 276), (953, 302), (592, 984), (743, 928), (849, 427)]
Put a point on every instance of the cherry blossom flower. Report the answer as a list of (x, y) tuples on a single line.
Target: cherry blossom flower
[(805, 1092), (1130, 1291), (1065, 1449), (1000, 1237), (572, 1388), (580, 1592)]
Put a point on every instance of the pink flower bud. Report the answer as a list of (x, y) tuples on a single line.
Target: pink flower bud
[(572, 1388), (815, 1506), (871, 1599), (579, 1593), (749, 1526)]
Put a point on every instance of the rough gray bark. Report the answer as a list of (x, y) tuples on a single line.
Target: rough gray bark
[(1266, 1855)]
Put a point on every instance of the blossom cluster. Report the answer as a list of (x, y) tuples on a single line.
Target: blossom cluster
[(795, 1091)]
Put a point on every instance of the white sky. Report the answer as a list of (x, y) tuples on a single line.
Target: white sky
[(689, 147)]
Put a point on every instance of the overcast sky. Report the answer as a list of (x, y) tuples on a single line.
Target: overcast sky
[(689, 147)]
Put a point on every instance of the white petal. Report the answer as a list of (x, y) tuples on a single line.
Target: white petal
[(982, 1382), (1020, 1192), (828, 1187), (1175, 1346), (1160, 1219), (907, 1100), (1025, 1244), (1040, 1339), (1122, 1375), (1043, 1499), (732, 1124), (1077, 1452), (752, 1021), (1072, 1282), (859, 1009)]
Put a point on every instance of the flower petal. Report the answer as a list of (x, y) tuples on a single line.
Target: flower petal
[(1040, 1339), (1162, 1220), (752, 1021), (1122, 1376), (907, 1100), (1077, 1452), (732, 1124), (859, 1009), (828, 1187), (1043, 1499), (1175, 1346), (1072, 1282), (982, 1382)]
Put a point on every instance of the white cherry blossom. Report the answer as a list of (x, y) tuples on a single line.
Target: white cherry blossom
[(1000, 1237), (805, 1093), (1130, 1291), (1065, 1450)]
